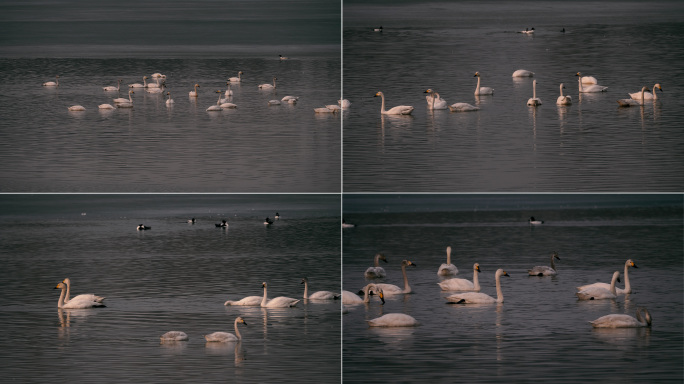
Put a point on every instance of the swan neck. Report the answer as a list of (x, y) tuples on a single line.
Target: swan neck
[(237, 332), (628, 287), (612, 285), (264, 300), (60, 302), (382, 106), (68, 292), (534, 89), (653, 91), (476, 280), (580, 84), (306, 289), (477, 89), (561, 90), (366, 296), (448, 255), (407, 287), (553, 264), (499, 293), (376, 261)]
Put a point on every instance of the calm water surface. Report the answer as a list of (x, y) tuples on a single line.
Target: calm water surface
[(541, 331), (591, 145), (175, 276)]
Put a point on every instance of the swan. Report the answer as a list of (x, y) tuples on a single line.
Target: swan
[(543, 270), (277, 216), (633, 102), (323, 110), (143, 227), (138, 85), (589, 80), (376, 270), (478, 297), (563, 100), (398, 110), (194, 93), (169, 100), (153, 85), (457, 284), (532, 221), (249, 301), (447, 269), (482, 90), (619, 291), (52, 83), (174, 336), (434, 101), (77, 302), (623, 321), (594, 88), (124, 100), (288, 98), (228, 105), (229, 92), (534, 101), (158, 75), (269, 86), (113, 88), (283, 57), (344, 103), (191, 221), (523, 73), (225, 336), (347, 225), (646, 96), (393, 320), (236, 79), (77, 108), (105, 106), (156, 90), (463, 107), (278, 302), (333, 107), (391, 289), (320, 295), (352, 298), (217, 106), (597, 293), (274, 102)]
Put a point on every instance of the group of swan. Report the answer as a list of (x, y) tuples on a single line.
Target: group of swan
[(640, 98), (83, 301), (221, 337), (282, 301), (435, 102), (628, 288), (342, 105), (391, 289), (543, 270), (598, 291)]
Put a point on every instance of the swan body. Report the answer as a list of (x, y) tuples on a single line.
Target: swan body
[(391, 289), (562, 99), (124, 105), (349, 298), (348, 225), (223, 337), (532, 221), (324, 110), (278, 302), (333, 107), (434, 101), (229, 92), (269, 86), (624, 321), (393, 320), (105, 106), (169, 100), (482, 90), (77, 108), (593, 88), (589, 80), (457, 284), (156, 90), (599, 293), (628, 288), (158, 75), (124, 100), (217, 106), (274, 102), (289, 98), (478, 297), (534, 101), (153, 85), (194, 92), (646, 96), (52, 83), (398, 110), (377, 29), (138, 85), (543, 270), (236, 79), (320, 295), (228, 105), (447, 269), (523, 73), (174, 336), (249, 301), (344, 103), (77, 302), (113, 88), (463, 107), (632, 102), (376, 271)]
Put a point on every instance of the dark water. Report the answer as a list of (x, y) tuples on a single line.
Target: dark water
[(175, 276), (591, 145), (541, 331)]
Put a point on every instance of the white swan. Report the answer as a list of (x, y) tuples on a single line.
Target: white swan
[(391, 289), (349, 298), (236, 79), (523, 73), (598, 293), (174, 336), (320, 295), (228, 105), (376, 271), (52, 83), (224, 337), (398, 110), (77, 302), (158, 75), (463, 107), (348, 225), (324, 110), (344, 103), (153, 85), (138, 85), (278, 302), (194, 92), (478, 297), (156, 90), (589, 80), (269, 86), (434, 101), (217, 106), (393, 320), (105, 106), (624, 321), (482, 90), (628, 288), (169, 100), (532, 221), (274, 102), (646, 96), (527, 31), (594, 88), (633, 102), (534, 101), (113, 88), (249, 301), (447, 269), (229, 92), (124, 100), (543, 270), (77, 108), (457, 284), (563, 100), (290, 99)]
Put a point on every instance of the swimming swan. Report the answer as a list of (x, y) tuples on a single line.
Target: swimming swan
[(391, 289), (457, 284), (320, 295), (236, 79), (77, 302), (105, 106), (52, 83), (278, 302), (434, 101), (169, 100), (138, 85), (619, 291), (534, 101), (224, 337), (463, 107), (478, 297), (594, 88), (623, 321), (482, 90), (376, 271), (598, 293), (349, 298), (563, 100), (194, 93), (217, 106), (393, 320), (633, 102), (523, 73), (447, 269), (113, 88), (174, 336), (123, 100), (543, 270), (77, 108), (398, 110), (269, 86), (344, 103), (646, 96)]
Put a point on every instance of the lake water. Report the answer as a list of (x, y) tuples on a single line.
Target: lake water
[(175, 276), (506, 146), (541, 331), (151, 147)]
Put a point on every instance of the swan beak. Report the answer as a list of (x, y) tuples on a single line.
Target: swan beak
[(244, 322), (634, 265), (506, 274), (376, 95), (477, 268), (382, 297), (411, 263)]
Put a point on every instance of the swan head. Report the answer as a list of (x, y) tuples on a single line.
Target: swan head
[(658, 86), (378, 94), (380, 294), (476, 267), (240, 320), (408, 263), (429, 90), (60, 286), (381, 257), (304, 280), (477, 74), (646, 315), (630, 263), (501, 272), (555, 255)]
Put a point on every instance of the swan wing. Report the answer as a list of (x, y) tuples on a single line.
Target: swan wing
[(595, 293), (470, 298), (400, 110), (174, 336), (393, 320), (463, 107), (447, 270), (282, 302), (249, 301), (541, 270), (221, 337), (457, 284), (351, 298), (616, 321), (389, 289), (324, 295)]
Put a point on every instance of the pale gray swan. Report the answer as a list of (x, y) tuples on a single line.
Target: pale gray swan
[(398, 110), (174, 336), (534, 101), (447, 269), (594, 88), (562, 99), (77, 302), (543, 270), (52, 83), (320, 295), (277, 302), (482, 90), (393, 320), (376, 271)]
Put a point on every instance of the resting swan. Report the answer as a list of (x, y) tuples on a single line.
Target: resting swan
[(398, 110), (393, 320), (482, 90), (269, 86), (623, 321), (478, 297), (376, 271), (646, 96), (77, 108), (138, 85), (523, 73), (278, 302), (105, 106), (591, 88), (349, 298), (543, 270), (447, 269), (78, 302), (434, 101), (563, 100), (224, 337), (457, 284), (52, 83), (391, 289), (463, 107), (534, 101), (344, 103), (174, 336), (194, 92), (633, 102), (619, 291), (532, 221), (320, 295), (598, 293)]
